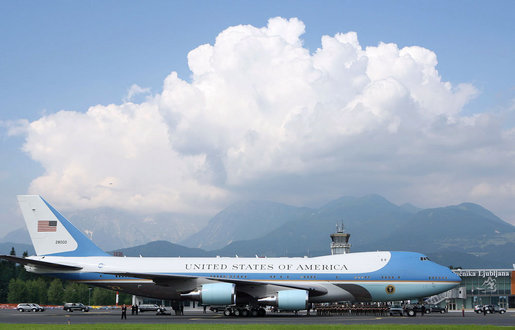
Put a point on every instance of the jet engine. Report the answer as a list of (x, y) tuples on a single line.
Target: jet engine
[(289, 300), (214, 294)]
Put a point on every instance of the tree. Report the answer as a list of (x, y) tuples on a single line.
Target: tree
[(32, 292), (71, 293), (13, 252), (83, 293), (55, 292), (125, 298), (17, 291), (41, 287), (75, 292), (7, 272), (103, 297)]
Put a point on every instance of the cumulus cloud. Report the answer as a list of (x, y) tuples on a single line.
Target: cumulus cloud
[(262, 117)]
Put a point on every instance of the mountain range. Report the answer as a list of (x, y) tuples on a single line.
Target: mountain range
[(465, 235)]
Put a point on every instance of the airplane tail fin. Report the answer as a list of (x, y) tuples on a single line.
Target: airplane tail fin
[(51, 233)]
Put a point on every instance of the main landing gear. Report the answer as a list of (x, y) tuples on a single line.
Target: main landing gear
[(244, 312)]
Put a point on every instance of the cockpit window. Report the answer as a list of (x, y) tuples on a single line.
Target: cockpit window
[(424, 258)]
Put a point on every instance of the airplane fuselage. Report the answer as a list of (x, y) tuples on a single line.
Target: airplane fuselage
[(364, 276)]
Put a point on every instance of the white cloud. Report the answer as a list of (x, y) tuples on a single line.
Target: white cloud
[(135, 90), (264, 118), (15, 127)]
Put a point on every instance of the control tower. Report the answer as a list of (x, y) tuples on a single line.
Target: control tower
[(340, 241)]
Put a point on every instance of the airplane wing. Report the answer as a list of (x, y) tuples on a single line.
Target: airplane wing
[(163, 279), (313, 288), (40, 263)]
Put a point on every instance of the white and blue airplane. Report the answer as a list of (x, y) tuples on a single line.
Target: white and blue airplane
[(248, 284)]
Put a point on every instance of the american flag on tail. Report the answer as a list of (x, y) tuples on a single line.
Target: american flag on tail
[(45, 226)]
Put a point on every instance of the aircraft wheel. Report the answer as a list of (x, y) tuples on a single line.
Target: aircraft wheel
[(254, 313), (227, 312), (261, 312), (244, 312), (237, 312)]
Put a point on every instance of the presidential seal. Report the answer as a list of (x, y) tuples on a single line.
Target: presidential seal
[(390, 289)]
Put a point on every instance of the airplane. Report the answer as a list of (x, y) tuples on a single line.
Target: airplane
[(244, 285)]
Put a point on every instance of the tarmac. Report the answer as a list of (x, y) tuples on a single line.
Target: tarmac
[(192, 316)]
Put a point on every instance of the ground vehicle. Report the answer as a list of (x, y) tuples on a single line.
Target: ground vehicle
[(39, 308), (151, 308), (478, 309), (435, 309), (70, 307), (217, 308), (396, 310), (495, 309), (413, 310), (26, 307)]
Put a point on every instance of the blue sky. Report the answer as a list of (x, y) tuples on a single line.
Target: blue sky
[(71, 55)]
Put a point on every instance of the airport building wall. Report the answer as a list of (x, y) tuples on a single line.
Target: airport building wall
[(485, 287)]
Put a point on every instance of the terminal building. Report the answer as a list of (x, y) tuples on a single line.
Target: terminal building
[(485, 287)]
